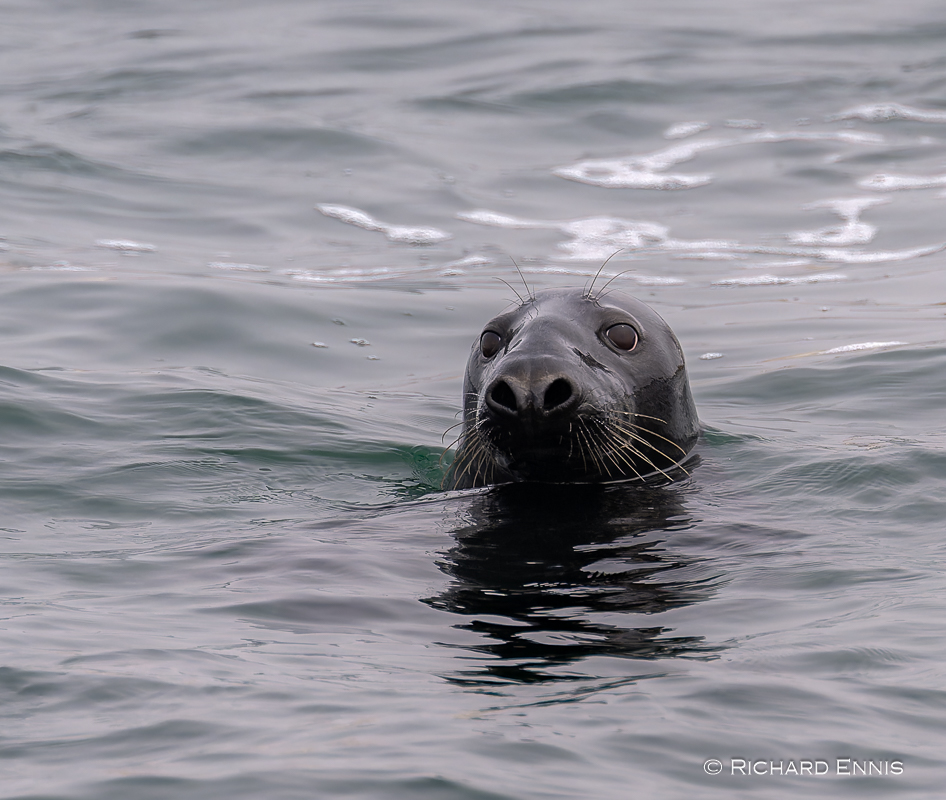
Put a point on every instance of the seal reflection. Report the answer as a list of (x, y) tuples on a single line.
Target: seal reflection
[(552, 559)]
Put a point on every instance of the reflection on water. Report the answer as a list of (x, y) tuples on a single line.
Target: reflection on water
[(544, 573)]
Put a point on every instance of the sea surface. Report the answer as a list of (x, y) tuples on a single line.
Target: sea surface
[(246, 248)]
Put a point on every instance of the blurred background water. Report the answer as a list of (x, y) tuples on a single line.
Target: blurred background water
[(246, 248)]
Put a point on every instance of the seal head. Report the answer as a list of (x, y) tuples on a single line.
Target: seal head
[(574, 388)]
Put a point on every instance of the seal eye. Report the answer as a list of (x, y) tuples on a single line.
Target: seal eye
[(490, 342), (622, 336)]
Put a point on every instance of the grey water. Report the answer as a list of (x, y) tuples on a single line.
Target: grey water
[(245, 250)]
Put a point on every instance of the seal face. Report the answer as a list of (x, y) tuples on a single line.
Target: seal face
[(574, 388)]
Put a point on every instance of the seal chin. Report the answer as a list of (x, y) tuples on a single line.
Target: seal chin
[(527, 457), (570, 388)]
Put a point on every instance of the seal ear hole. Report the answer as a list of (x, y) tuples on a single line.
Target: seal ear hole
[(490, 342), (622, 336)]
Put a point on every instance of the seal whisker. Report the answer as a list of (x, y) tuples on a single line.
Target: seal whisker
[(586, 446), (652, 433), (599, 452), (605, 456), (471, 456), (482, 464), (480, 459), (644, 458), (637, 415), (610, 453), (444, 436), (581, 452), (613, 278), (513, 289), (636, 451), (605, 436), (458, 468), (615, 427), (598, 273), (446, 450), (630, 464), (471, 465), (620, 447), (460, 440), (595, 455), (529, 292), (634, 436)]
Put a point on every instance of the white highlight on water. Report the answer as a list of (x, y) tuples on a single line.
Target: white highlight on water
[(394, 233), (886, 112), (775, 280), (61, 266), (604, 277), (449, 269), (849, 348), (597, 238), (648, 171), (853, 231), (227, 266), (876, 257), (460, 265), (125, 245), (897, 183), (744, 124), (682, 130)]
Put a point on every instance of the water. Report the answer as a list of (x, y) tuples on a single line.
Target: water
[(246, 250)]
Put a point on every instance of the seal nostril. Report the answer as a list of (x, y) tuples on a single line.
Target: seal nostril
[(558, 393), (503, 395)]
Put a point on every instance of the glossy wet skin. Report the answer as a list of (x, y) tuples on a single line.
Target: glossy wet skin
[(571, 388)]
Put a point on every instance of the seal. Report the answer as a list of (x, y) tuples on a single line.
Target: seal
[(573, 387)]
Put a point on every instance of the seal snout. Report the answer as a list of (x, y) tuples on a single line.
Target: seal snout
[(544, 398)]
